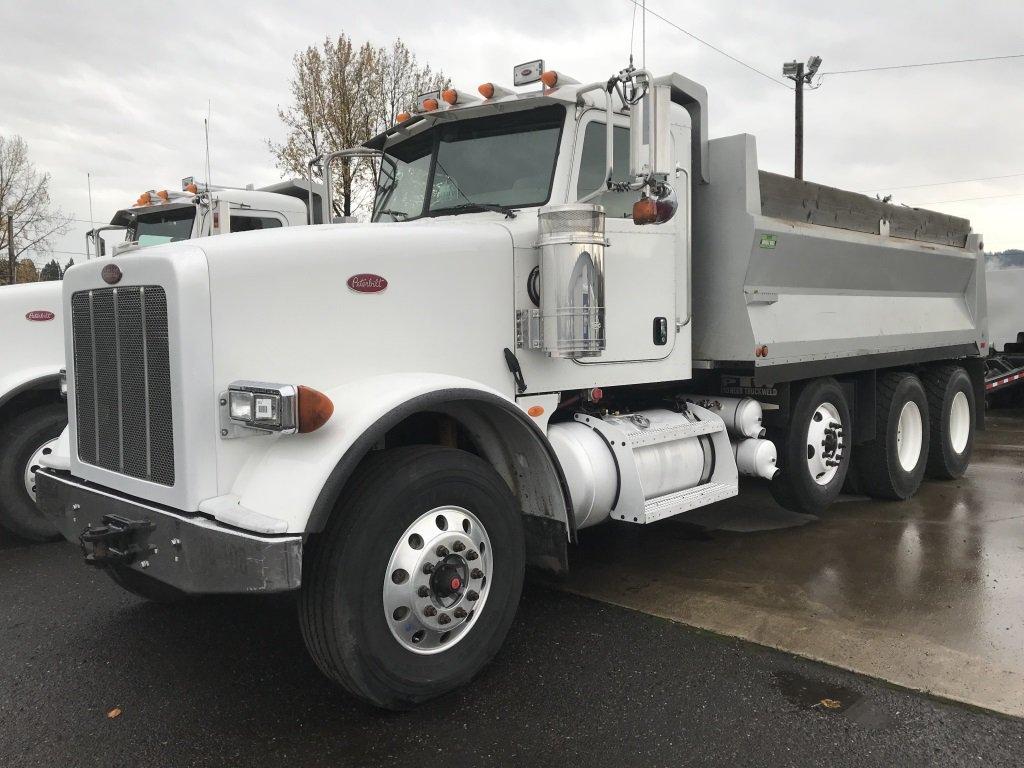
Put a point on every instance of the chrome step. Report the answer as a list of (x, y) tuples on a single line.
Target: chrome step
[(671, 504)]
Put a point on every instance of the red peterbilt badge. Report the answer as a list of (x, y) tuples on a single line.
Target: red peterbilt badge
[(367, 283), (40, 315)]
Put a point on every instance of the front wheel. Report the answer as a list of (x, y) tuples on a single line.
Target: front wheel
[(414, 584), (24, 440), (815, 449)]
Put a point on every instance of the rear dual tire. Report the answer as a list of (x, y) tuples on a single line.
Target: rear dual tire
[(892, 465), (952, 405), (814, 449)]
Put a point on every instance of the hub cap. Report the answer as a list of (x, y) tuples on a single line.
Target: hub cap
[(825, 442), (909, 436), (959, 422), (33, 464), (437, 580)]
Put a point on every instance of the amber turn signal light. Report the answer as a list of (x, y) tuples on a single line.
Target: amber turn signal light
[(144, 199), (430, 104), (315, 409), (401, 117), (645, 211), (486, 90), (549, 78), (451, 96)]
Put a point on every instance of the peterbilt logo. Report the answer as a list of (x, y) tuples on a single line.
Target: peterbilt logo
[(40, 315), (367, 283)]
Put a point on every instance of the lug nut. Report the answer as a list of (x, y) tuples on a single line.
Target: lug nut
[(430, 611), (472, 595), (423, 591), (476, 573), (459, 613), (444, 618), (442, 551), (458, 546), (472, 555), (428, 568)]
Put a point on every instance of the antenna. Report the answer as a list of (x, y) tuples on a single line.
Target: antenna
[(92, 222), (643, 29), (206, 128)]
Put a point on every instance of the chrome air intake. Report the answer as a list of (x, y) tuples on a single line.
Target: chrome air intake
[(572, 244)]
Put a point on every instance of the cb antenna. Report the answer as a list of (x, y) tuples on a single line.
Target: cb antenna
[(92, 221), (206, 128)]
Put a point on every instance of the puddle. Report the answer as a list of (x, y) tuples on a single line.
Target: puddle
[(833, 700)]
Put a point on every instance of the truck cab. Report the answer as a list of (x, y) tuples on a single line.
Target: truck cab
[(402, 414)]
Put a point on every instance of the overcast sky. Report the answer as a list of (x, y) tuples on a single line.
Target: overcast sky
[(121, 89)]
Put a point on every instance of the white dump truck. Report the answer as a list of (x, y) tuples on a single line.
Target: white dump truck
[(32, 412), (571, 307)]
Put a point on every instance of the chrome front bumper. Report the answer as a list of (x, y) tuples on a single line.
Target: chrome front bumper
[(193, 554)]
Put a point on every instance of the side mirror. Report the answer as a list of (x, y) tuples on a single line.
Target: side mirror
[(650, 149)]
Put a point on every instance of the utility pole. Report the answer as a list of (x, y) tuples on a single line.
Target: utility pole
[(12, 264), (800, 74)]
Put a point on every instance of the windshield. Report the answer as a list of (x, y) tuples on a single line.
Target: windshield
[(505, 160), (162, 226)]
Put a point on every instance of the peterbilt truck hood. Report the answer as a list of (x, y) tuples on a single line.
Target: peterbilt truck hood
[(319, 306), (32, 343)]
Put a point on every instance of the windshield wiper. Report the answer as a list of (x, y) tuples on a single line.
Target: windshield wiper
[(393, 214), (464, 207)]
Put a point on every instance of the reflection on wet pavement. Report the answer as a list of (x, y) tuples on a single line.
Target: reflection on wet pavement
[(927, 593)]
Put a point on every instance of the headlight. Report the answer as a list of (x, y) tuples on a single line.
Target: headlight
[(260, 406)]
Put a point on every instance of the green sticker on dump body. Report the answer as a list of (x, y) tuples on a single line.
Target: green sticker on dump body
[(767, 241)]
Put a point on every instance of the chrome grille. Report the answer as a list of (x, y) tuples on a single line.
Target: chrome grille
[(123, 381)]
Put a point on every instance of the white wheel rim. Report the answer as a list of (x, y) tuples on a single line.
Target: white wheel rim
[(446, 544), (959, 422), (33, 464), (825, 442), (909, 436)]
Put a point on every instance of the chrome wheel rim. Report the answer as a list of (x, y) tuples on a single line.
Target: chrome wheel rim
[(959, 422), (825, 442), (33, 464), (909, 436), (437, 580)]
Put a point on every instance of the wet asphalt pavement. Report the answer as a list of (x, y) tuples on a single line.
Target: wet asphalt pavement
[(226, 682)]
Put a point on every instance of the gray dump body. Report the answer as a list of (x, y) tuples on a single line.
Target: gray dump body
[(829, 281)]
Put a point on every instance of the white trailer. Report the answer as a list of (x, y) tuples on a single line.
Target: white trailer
[(571, 307), (32, 412)]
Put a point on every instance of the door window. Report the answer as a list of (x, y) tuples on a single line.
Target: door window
[(240, 222), (617, 205)]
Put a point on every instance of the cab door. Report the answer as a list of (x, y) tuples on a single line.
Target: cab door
[(640, 261)]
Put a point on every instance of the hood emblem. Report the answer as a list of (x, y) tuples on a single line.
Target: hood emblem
[(367, 283), (111, 274), (40, 315)]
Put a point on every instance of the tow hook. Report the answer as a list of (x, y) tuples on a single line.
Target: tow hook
[(115, 542)]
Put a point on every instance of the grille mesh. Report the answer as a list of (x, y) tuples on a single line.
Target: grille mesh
[(123, 381)]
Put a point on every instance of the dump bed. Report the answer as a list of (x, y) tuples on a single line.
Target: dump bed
[(824, 281)]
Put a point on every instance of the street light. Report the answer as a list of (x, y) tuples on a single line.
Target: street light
[(800, 74)]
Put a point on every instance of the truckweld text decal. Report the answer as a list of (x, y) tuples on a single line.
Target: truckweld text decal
[(367, 283), (40, 315)]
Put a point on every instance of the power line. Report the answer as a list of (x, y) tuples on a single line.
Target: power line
[(968, 199), (923, 64), (942, 183), (704, 42)]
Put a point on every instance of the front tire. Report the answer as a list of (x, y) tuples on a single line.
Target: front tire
[(423, 533), (815, 449), (951, 404), (891, 466), (22, 441)]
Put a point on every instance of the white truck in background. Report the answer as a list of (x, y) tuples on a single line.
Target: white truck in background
[(32, 412), (571, 307)]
